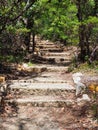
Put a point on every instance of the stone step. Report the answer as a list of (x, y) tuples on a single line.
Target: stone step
[(48, 46), (51, 50), (53, 89), (58, 58), (20, 84), (41, 80), (57, 54), (52, 61), (43, 44), (48, 80), (39, 68), (44, 101), (42, 92), (57, 68), (49, 68), (54, 77)]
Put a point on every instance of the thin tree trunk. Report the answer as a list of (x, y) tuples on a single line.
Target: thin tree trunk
[(96, 8), (34, 43), (82, 42)]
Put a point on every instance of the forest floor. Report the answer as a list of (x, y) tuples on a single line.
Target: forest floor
[(42, 95)]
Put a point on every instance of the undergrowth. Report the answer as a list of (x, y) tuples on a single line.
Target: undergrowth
[(84, 67)]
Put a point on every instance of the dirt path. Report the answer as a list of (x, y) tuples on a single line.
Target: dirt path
[(46, 100)]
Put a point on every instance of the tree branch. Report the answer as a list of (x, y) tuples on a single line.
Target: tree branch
[(92, 57), (23, 11)]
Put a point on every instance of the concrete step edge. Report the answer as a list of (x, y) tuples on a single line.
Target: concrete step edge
[(44, 101), (38, 81), (43, 86)]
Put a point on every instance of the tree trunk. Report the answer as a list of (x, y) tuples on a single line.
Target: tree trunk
[(96, 8), (27, 40), (83, 31), (29, 26), (82, 42), (34, 43)]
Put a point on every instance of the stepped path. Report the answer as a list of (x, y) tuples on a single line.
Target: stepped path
[(45, 99)]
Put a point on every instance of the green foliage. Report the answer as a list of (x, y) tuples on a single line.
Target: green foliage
[(22, 30), (92, 20), (55, 20), (11, 58), (30, 64)]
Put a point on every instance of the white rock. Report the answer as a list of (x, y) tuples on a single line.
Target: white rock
[(80, 87), (77, 77), (85, 98), (25, 65), (77, 80), (78, 74)]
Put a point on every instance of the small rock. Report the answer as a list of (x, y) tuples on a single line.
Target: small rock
[(77, 77), (79, 88), (85, 98), (77, 80), (69, 103), (25, 65), (78, 74)]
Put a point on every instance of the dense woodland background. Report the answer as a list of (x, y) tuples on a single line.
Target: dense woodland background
[(71, 22)]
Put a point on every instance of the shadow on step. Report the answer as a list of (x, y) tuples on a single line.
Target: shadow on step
[(13, 73), (51, 61)]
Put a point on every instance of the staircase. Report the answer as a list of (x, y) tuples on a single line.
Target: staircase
[(53, 53), (44, 101), (49, 88)]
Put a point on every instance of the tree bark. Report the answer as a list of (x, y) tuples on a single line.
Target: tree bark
[(81, 31), (34, 43), (84, 31), (96, 8)]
